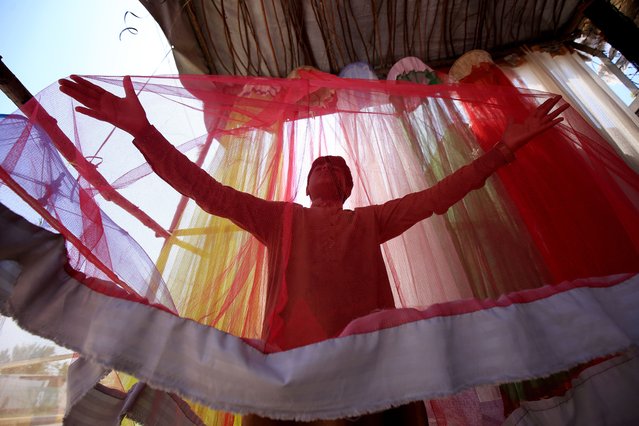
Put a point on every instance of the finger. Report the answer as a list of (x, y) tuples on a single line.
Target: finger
[(129, 90), (558, 111), (130, 93), (68, 85), (555, 122), (538, 131), (87, 85), (66, 82), (91, 113), (554, 114), (77, 94), (82, 81), (546, 106), (549, 125)]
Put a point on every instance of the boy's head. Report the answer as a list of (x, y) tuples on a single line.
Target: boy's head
[(329, 173)]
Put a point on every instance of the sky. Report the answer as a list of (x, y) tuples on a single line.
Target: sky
[(44, 40)]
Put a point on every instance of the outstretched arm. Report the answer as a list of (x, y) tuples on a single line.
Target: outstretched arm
[(396, 216), (125, 113), (516, 135), (250, 213)]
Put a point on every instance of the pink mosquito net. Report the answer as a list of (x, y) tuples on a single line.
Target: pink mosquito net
[(565, 209)]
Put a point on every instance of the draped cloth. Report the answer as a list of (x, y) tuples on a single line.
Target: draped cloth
[(191, 321), (587, 92)]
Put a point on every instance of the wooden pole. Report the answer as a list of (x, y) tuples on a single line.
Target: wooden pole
[(12, 87)]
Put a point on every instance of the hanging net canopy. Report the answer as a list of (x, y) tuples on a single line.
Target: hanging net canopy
[(218, 301)]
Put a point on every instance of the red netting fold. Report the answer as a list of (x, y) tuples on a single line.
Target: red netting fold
[(565, 209)]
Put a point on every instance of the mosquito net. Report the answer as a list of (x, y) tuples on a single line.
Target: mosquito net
[(253, 261)]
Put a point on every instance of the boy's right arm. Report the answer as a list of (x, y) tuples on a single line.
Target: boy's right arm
[(260, 217), (245, 210)]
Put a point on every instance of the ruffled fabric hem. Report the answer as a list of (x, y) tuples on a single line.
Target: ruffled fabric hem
[(348, 376)]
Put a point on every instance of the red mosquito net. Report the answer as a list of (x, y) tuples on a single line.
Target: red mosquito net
[(566, 208)]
